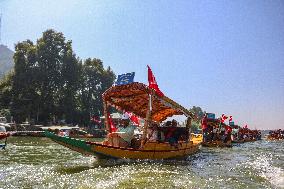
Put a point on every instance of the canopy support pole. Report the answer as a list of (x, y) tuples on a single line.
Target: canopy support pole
[(106, 117), (148, 121), (188, 129)]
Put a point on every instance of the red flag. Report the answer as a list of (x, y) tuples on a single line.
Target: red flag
[(95, 120), (133, 118), (223, 118), (112, 127), (246, 126), (152, 82), (231, 118), (228, 128)]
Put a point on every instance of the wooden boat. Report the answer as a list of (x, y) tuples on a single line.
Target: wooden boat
[(212, 122), (147, 104), (238, 141)]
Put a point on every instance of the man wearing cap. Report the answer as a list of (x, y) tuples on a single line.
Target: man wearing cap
[(124, 134)]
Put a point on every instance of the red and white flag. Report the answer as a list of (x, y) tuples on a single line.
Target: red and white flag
[(133, 118), (231, 118), (95, 120), (152, 82), (223, 118), (110, 122)]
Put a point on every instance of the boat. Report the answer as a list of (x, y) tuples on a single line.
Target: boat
[(146, 103), (217, 144), (214, 141), (3, 136), (275, 135)]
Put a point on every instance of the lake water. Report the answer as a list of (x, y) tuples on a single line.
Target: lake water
[(40, 163)]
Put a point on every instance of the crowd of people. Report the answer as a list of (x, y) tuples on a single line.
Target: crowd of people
[(215, 130)]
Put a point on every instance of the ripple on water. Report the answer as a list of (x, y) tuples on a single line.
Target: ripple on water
[(40, 163)]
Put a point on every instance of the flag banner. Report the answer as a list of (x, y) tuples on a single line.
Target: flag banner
[(223, 118), (96, 120), (133, 118), (112, 126), (228, 128), (152, 82), (125, 79), (231, 118)]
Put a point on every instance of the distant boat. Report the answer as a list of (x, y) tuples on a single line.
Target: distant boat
[(3, 135)]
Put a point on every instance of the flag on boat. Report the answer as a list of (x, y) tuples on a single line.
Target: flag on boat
[(124, 79), (152, 82), (133, 118), (94, 119), (223, 118), (228, 128), (110, 122), (246, 126), (231, 118)]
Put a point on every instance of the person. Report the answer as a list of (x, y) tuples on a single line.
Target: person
[(153, 133), (171, 134), (204, 127), (124, 133), (214, 133)]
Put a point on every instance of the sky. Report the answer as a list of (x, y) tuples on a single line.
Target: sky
[(224, 56)]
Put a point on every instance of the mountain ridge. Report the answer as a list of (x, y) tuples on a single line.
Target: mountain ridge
[(6, 60)]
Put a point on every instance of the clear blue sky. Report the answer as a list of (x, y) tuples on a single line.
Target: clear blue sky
[(224, 56)]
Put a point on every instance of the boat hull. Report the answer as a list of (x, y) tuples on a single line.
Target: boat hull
[(151, 150), (217, 144), (4, 135)]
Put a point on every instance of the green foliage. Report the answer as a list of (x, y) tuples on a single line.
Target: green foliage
[(5, 113), (197, 112), (195, 126), (50, 83)]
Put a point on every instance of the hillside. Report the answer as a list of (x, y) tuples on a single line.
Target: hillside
[(6, 60)]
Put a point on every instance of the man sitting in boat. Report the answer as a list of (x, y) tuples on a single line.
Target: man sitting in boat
[(172, 134), (124, 134)]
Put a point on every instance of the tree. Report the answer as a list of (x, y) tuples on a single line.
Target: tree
[(23, 85), (49, 83), (197, 112), (95, 81)]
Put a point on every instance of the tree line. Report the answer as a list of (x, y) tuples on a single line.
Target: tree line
[(49, 83)]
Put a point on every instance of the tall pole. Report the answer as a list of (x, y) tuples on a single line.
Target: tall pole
[(148, 121)]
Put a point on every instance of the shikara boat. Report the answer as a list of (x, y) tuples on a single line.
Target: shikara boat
[(212, 122), (144, 102)]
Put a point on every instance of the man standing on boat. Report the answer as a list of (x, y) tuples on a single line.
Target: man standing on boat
[(204, 127)]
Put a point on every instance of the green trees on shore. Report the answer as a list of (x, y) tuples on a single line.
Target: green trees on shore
[(49, 83)]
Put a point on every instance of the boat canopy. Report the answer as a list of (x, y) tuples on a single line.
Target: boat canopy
[(134, 97)]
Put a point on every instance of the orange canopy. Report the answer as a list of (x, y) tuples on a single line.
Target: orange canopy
[(134, 97)]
